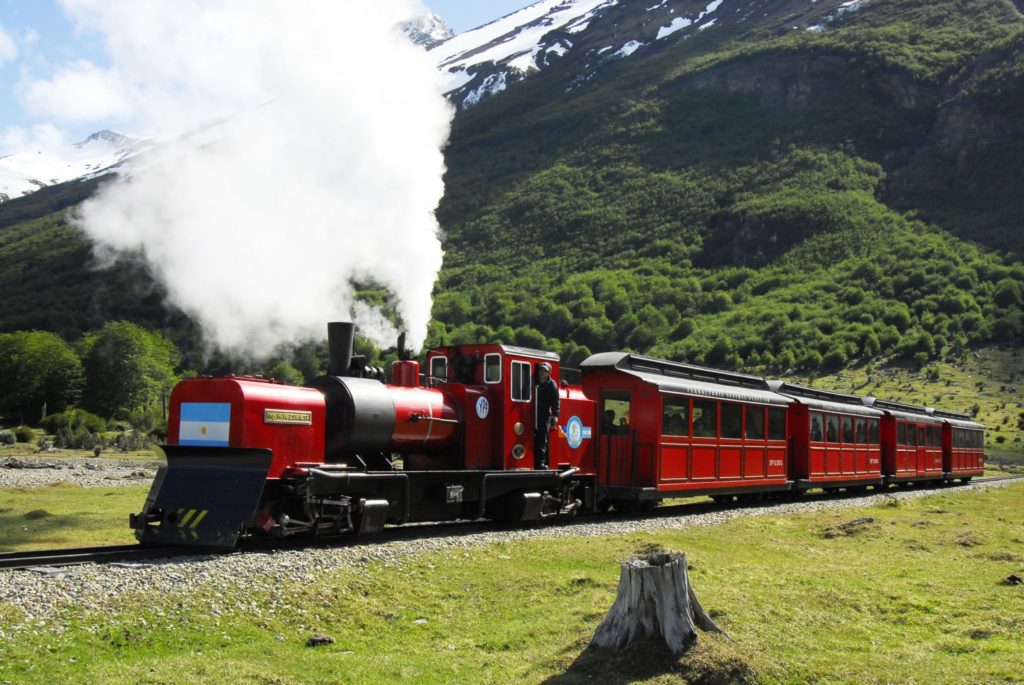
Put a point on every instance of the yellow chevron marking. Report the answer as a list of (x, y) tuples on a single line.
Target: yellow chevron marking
[(197, 519), (190, 514), (195, 535)]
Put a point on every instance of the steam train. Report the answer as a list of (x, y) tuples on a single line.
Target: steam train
[(248, 457)]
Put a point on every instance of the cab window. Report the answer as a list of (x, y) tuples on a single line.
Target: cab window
[(439, 369), (522, 382), (675, 416), (492, 368)]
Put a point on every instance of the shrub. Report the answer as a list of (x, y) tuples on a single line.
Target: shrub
[(24, 434), (7, 437), (72, 420)]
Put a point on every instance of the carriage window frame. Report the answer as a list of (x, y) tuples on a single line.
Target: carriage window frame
[(517, 381), (753, 411), (846, 430), (488, 359), (821, 427), (776, 426), (677, 404), (860, 431), (832, 428), (726, 414), (704, 406)]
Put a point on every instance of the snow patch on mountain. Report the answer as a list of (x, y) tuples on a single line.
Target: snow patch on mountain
[(427, 30), (23, 173), (487, 59)]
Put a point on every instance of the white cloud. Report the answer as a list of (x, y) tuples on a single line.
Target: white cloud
[(258, 231), (78, 92), (32, 138), (8, 51)]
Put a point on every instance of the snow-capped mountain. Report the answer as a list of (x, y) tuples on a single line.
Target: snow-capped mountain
[(488, 59), (23, 173), (582, 35), (427, 30)]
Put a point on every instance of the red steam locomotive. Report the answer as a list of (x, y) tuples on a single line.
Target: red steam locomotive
[(250, 457)]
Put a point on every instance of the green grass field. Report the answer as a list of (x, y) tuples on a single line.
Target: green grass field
[(913, 595)]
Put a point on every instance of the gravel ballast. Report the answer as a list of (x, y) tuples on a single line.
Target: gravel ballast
[(233, 579), (39, 472)]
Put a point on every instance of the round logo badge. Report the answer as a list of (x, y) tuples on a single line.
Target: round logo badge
[(483, 407), (574, 432)]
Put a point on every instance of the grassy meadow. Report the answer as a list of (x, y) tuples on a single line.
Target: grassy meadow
[(912, 592)]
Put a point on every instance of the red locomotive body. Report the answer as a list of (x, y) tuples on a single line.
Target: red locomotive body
[(251, 413), (351, 453)]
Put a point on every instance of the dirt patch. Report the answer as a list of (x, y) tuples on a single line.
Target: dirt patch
[(967, 539), (849, 529)]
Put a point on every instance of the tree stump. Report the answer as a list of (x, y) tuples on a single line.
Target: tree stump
[(655, 598)]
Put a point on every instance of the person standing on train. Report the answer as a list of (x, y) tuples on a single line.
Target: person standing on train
[(547, 415)]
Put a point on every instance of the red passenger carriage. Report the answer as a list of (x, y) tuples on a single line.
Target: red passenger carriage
[(911, 442), (835, 439), (963, 445), (671, 429)]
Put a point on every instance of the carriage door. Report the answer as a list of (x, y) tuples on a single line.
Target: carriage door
[(614, 462)]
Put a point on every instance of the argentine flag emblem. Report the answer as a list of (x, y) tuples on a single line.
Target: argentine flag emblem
[(205, 424)]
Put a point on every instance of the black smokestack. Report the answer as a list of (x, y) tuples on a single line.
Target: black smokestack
[(340, 338)]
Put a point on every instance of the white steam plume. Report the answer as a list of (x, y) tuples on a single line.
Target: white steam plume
[(258, 223)]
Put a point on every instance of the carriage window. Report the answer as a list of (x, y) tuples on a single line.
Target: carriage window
[(936, 436), (958, 437), (615, 412), (832, 428), (848, 430), (439, 369), (492, 368), (901, 434), (755, 422), (873, 431), (776, 423), (817, 427), (912, 435), (732, 420), (675, 416), (705, 418), (522, 382), (862, 432)]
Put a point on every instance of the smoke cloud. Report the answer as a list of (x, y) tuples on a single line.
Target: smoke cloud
[(325, 168)]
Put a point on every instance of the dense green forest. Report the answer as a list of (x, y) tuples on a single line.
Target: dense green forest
[(752, 197)]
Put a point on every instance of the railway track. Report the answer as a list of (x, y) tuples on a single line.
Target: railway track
[(110, 554)]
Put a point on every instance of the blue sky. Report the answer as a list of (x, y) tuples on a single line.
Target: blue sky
[(37, 40)]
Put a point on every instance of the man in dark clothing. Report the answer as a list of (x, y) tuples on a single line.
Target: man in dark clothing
[(547, 415)]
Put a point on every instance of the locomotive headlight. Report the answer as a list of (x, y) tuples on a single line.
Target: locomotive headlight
[(518, 452), (518, 428)]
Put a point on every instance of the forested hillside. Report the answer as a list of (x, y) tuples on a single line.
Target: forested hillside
[(754, 196), (779, 193)]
